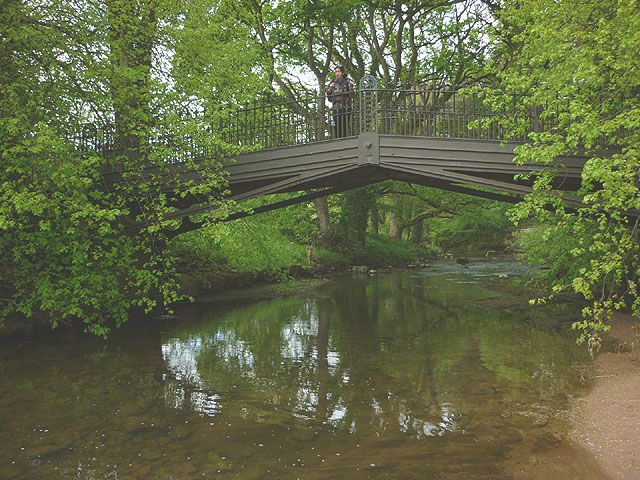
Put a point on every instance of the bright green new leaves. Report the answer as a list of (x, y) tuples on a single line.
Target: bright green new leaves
[(578, 62), (64, 255), (71, 248)]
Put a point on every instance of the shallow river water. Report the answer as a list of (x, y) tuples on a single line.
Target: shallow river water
[(408, 374)]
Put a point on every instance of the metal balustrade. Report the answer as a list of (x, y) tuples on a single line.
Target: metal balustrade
[(439, 113), (417, 110)]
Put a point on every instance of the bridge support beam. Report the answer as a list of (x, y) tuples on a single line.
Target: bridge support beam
[(369, 148), (188, 225)]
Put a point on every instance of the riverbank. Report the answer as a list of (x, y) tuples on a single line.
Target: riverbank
[(206, 274), (607, 420)]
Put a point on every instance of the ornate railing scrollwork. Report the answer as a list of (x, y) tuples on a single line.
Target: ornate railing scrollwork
[(368, 88)]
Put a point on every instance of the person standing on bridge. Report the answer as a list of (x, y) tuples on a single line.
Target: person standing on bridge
[(340, 93)]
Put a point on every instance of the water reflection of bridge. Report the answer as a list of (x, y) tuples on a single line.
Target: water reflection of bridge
[(443, 138)]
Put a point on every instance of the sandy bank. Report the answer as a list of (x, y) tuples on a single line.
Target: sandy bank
[(607, 421)]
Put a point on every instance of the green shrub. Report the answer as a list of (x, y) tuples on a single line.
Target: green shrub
[(331, 258), (252, 245), (476, 228), (551, 246), (386, 250)]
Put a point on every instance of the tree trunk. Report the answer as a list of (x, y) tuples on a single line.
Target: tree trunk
[(375, 220), (394, 221), (324, 223), (132, 34), (321, 204), (416, 232), (355, 215), (394, 231), (319, 120)]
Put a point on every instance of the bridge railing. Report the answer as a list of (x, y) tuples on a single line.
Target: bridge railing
[(167, 149), (271, 123), (419, 110), (414, 110)]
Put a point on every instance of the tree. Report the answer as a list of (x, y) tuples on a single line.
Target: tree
[(579, 62), (62, 246), (65, 67)]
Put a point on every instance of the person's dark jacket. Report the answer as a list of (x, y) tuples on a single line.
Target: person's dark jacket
[(340, 92)]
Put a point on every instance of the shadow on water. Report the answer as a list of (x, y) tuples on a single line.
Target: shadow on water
[(400, 375)]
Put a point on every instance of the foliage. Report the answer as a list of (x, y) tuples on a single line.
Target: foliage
[(579, 61), (551, 246), (50, 206), (382, 250), (481, 226), (441, 219), (253, 245), (64, 249), (257, 244), (55, 213), (439, 41), (331, 258), (297, 222)]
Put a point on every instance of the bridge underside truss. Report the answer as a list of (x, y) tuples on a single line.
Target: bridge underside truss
[(476, 167), (482, 168)]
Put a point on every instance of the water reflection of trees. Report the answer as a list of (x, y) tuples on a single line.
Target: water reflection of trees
[(398, 354)]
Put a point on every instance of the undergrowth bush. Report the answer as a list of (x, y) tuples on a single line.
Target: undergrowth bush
[(383, 250), (330, 258), (248, 244), (551, 246), (475, 229)]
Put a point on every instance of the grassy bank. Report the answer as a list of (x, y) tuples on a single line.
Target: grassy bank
[(244, 253)]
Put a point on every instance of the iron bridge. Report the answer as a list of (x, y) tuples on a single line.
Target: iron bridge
[(445, 138)]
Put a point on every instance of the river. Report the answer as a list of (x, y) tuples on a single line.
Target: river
[(407, 374)]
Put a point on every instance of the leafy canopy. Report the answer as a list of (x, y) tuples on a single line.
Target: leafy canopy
[(579, 61)]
